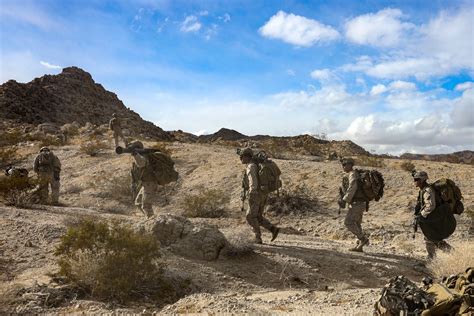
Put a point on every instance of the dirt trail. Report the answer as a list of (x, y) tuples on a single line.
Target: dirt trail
[(306, 270)]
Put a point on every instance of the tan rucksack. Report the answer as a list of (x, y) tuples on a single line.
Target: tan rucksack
[(163, 168), (371, 184), (447, 192), (268, 173)]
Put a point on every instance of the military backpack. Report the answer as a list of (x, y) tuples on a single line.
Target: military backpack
[(268, 173), (447, 192), (162, 167), (370, 185)]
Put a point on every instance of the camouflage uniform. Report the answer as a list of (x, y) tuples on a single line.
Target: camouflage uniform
[(256, 203), (48, 167), (427, 202), (356, 204), (116, 127), (143, 176)]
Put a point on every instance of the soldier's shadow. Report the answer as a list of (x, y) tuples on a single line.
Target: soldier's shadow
[(284, 267)]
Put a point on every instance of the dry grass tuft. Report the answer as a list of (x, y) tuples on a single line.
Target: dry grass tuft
[(239, 244), (7, 156), (110, 262), (296, 200), (93, 146), (208, 203), (453, 262), (369, 161), (407, 166), (18, 191)]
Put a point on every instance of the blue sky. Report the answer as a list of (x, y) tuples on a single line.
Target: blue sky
[(393, 76)]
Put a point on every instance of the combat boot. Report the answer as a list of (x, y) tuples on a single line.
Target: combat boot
[(275, 231)]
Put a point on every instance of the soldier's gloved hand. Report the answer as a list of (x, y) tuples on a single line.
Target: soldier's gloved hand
[(341, 203)]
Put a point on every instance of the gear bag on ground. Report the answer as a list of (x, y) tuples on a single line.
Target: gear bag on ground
[(449, 193), (268, 173), (163, 168)]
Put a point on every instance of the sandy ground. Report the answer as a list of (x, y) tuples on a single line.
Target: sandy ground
[(306, 270)]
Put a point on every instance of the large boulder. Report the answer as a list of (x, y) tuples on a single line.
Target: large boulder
[(181, 236)]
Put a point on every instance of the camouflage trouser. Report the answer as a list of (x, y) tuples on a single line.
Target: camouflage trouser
[(432, 245), (254, 214), (145, 196), (117, 134), (46, 180), (353, 220)]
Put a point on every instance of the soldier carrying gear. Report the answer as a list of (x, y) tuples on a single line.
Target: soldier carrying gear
[(257, 198), (427, 208), (356, 205), (48, 168), (116, 127)]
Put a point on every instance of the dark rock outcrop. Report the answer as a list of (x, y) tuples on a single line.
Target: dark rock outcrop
[(69, 96)]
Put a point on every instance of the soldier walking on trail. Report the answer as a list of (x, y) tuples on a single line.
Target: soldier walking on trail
[(48, 167), (356, 204), (143, 179), (116, 127), (426, 205), (257, 198)]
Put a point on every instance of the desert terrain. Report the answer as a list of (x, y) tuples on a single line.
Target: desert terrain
[(307, 269)]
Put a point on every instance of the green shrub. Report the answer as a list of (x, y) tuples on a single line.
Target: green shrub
[(208, 203), (92, 146), (369, 161), (407, 166), (110, 262)]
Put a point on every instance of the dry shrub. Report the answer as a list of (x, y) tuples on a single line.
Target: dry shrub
[(18, 191), (93, 146), (111, 262), (453, 262), (407, 165), (7, 156), (296, 200), (239, 244), (119, 189), (370, 161), (11, 137), (209, 203), (51, 140)]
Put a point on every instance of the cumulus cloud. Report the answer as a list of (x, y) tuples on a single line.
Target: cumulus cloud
[(464, 86), (50, 66), (190, 24), (297, 30), (463, 112), (384, 28), (378, 89), (321, 74), (441, 47), (402, 85)]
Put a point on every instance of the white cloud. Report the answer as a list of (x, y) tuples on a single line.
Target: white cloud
[(190, 24), (378, 89), (463, 112), (204, 13), (201, 132), (297, 30), (464, 86), (226, 17), (402, 85), (21, 66), (441, 47), (383, 28), (28, 12), (50, 66), (321, 74)]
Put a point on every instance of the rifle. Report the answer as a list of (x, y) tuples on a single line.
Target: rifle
[(416, 219), (341, 202), (243, 196), (120, 150)]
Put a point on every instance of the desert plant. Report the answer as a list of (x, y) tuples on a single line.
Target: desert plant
[(11, 137), (18, 191), (298, 199), (7, 156), (118, 188), (205, 203), (407, 165), (453, 262), (110, 262), (51, 140), (239, 244), (93, 146), (369, 161)]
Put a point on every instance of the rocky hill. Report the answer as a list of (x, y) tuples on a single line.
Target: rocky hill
[(70, 96), (465, 156), (278, 146)]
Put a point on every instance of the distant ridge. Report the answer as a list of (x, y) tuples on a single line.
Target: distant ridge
[(69, 96)]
